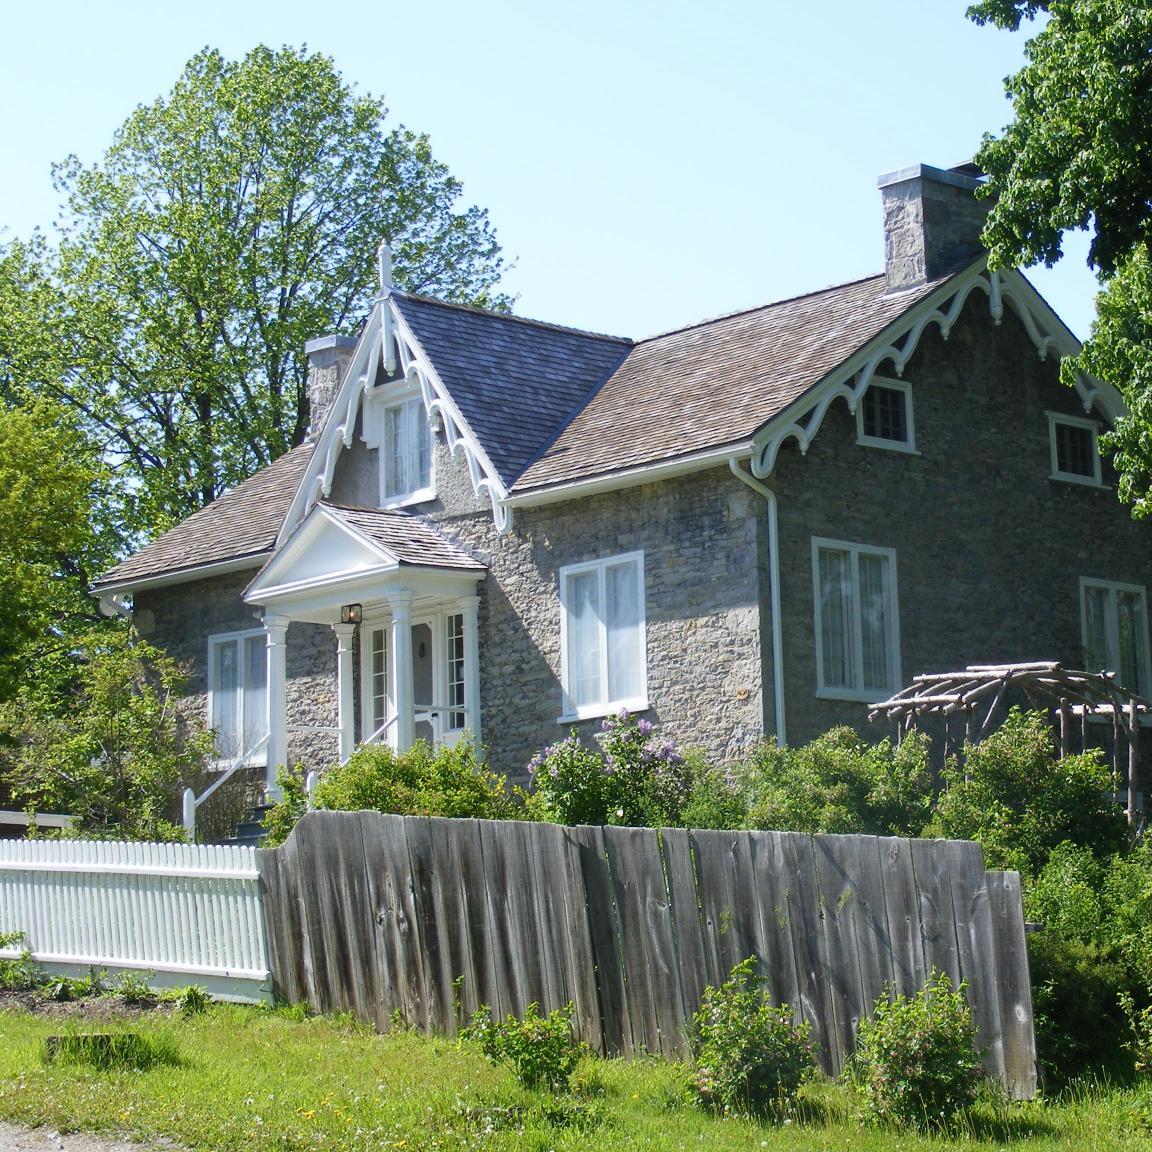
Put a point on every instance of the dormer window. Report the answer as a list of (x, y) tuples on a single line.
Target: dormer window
[(1075, 452), (884, 416), (396, 423)]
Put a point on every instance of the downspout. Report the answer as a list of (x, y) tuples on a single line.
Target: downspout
[(774, 580)]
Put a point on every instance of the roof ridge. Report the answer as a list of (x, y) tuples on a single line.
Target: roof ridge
[(528, 320), (756, 308)]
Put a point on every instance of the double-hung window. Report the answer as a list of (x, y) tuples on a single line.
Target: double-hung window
[(602, 636), (1114, 618), (396, 423), (857, 627), (238, 694)]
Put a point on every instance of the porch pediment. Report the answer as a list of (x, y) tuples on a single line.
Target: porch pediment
[(339, 554)]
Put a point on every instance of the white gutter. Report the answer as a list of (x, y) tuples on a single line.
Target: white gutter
[(182, 575), (774, 579), (629, 478)]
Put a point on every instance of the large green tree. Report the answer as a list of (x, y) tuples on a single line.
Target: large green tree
[(229, 222), (1078, 155)]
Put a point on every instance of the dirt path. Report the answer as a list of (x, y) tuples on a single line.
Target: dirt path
[(48, 1140)]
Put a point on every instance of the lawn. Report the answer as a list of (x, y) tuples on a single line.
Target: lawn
[(259, 1079)]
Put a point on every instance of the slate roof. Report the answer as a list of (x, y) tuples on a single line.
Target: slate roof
[(516, 382), (716, 383), (242, 522), (410, 540)]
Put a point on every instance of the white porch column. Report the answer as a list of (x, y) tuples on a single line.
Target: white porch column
[(468, 607), (402, 690), (345, 698), (276, 633)]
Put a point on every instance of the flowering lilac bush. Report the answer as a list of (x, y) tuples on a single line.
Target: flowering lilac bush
[(635, 779)]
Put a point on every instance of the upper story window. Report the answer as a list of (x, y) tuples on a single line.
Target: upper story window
[(396, 423), (884, 416), (1114, 619), (602, 636), (857, 628), (1075, 452), (238, 694)]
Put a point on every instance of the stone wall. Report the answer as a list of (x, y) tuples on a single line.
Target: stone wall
[(181, 619), (700, 536), (989, 550)]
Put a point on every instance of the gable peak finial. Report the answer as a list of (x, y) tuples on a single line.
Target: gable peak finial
[(384, 265)]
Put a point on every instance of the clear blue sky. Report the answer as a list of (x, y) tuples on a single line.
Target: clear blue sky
[(645, 164)]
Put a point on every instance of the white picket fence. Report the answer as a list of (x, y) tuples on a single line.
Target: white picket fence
[(176, 913)]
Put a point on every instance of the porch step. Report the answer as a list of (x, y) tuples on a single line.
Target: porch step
[(250, 831)]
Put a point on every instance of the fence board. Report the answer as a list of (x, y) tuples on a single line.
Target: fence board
[(632, 924)]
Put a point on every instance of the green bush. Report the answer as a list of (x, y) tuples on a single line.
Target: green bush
[(915, 1061), (748, 1057), (445, 781), (1013, 794), (839, 783), (636, 780), (540, 1050)]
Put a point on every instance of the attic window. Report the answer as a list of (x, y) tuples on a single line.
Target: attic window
[(1075, 452), (396, 423), (884, 416)]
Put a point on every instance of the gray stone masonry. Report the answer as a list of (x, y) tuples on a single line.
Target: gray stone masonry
[(989, 550), (932, 224), (183, 617), (328, 360), (700, 536)]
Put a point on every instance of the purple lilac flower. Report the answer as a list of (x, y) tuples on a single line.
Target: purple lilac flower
[(644, 727)]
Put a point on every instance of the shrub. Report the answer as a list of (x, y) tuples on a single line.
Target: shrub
[(21, 973), (915, 1061), (839, 783), (1013, 794), (445, 781), (748, 1056), (192, 1000), (133, 988), (540, 1050), (635, 780)]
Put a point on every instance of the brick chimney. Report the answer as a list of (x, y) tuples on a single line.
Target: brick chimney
[(328, 360), (932, 222)]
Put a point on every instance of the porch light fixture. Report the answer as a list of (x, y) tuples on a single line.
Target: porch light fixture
[(351, 613)]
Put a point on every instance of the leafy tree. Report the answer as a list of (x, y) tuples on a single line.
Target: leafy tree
[(1079, 156), (97, 733), (51, 478), (229, 222)]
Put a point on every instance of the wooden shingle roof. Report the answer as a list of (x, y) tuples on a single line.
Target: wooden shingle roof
[(716, 383), (243, 522)]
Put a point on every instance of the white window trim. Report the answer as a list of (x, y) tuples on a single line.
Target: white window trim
[(837, 692), (907, 446), (1093, 426), (637, 703), (260, 760), (377, 404), (1113, 639)]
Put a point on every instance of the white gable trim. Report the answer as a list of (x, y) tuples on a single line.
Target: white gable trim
[(897, 344), (387, 340)]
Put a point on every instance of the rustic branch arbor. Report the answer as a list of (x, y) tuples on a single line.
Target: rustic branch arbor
[(978, 697)]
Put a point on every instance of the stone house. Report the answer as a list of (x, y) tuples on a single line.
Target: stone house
[(750, 527)]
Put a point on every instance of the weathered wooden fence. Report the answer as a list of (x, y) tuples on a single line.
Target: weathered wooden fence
[(427, 919), (182, 913)]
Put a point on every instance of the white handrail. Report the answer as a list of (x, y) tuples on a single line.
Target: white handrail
[(192, 801)]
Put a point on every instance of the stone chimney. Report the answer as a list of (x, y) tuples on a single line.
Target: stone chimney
[(932, 222), (328, 360)]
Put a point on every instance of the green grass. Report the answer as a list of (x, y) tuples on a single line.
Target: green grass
[(255, 1079)]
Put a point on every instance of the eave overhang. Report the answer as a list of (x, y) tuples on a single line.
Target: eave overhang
[(127, 587)]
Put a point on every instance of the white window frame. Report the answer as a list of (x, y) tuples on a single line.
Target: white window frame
[(905, 389), (603, 706), (1093, 427), (377, 405), (240, 638), (856, 691), (1112, 626)]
